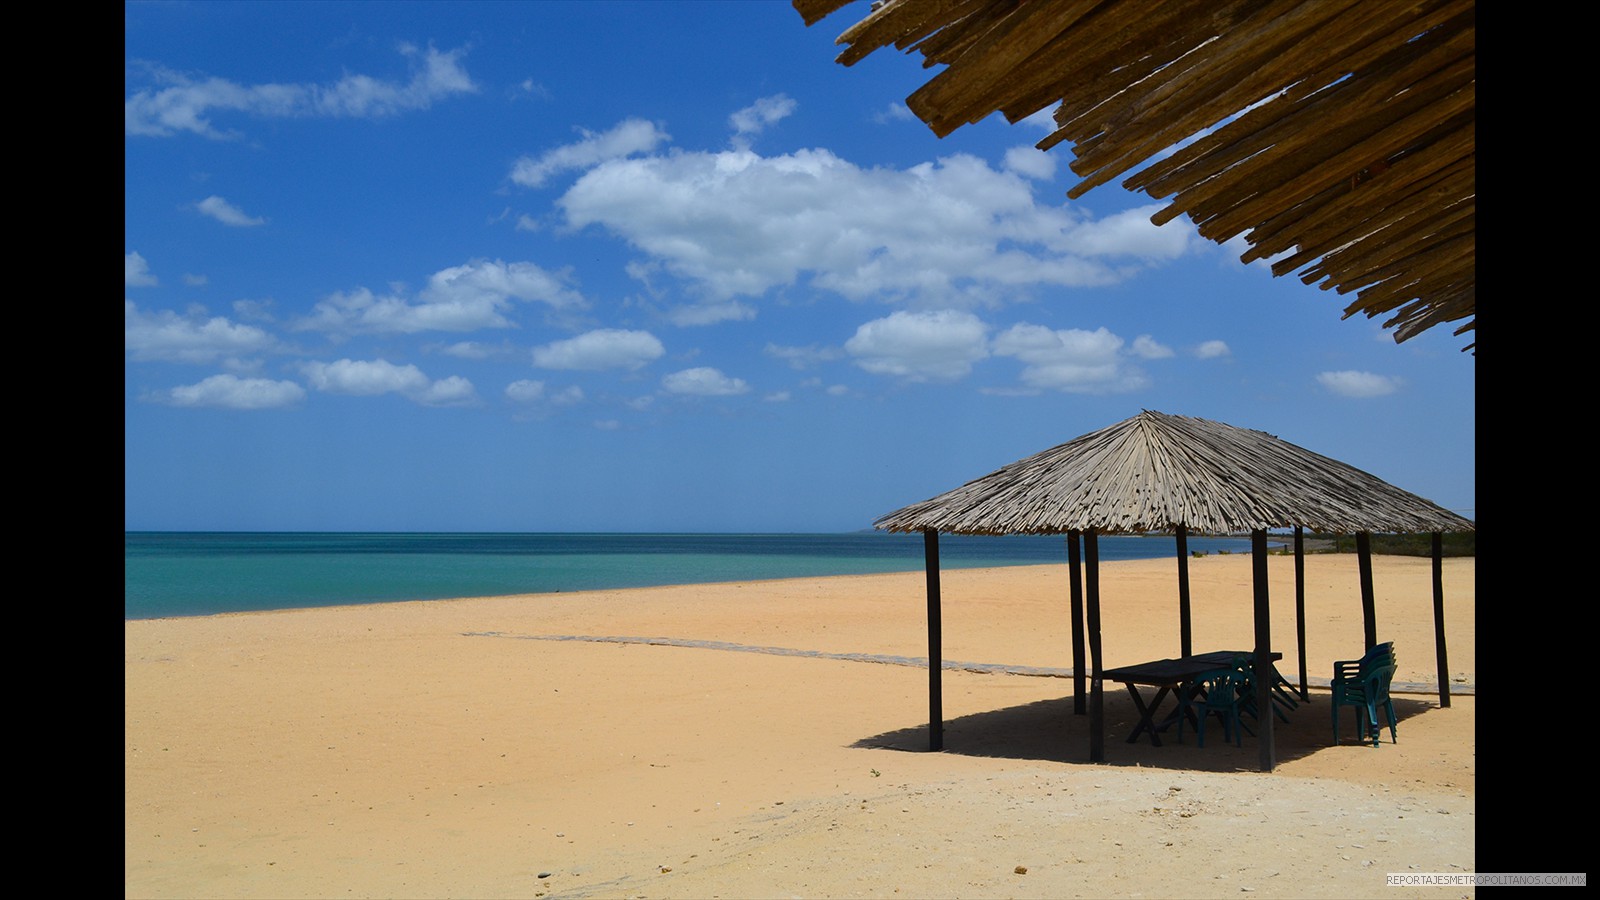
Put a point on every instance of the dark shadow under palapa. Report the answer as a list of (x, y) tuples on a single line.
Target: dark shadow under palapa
[(1047, 730)]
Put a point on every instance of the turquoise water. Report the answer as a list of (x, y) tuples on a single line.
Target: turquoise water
[(196, 574)]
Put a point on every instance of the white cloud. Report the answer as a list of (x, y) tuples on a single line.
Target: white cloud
[(482, 283), (453, 390), (710, 313), (629, 137), (704, 382), (1044, 120), (951, 234), (567, 396), (195, 280), (755, 118), (1130, 233), (468, 297), (186, 104), (469, 350), (370, 378), (226, 213), (606, 348), (525, 391), (1148, 347), (920, 346), (1358, 384), (136, 272), (366, 378), (167, 337), (255, 310), (440, 75), (803, 357), (530, 391), (361, 311), (1030, 162), (894, 112), (232, 392), (1213, 350), (1071, 360)]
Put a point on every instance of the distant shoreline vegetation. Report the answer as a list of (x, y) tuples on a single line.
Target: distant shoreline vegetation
[(1382, 544), (1453, 544)]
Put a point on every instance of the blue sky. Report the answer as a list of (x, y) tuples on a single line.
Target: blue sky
[(662, 266)]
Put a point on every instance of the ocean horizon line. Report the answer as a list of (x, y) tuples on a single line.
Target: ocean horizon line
[(187, 573)]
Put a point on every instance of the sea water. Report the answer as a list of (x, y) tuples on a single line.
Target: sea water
[(203, 573)]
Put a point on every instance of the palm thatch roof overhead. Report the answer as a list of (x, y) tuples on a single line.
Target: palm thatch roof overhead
[(1156, 472), (1338, 132)]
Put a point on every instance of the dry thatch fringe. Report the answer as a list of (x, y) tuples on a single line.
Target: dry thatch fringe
[(1341, 131), (1156, 472)]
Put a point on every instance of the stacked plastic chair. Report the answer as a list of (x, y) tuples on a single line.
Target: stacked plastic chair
[(1281, 699), (1364, 683)]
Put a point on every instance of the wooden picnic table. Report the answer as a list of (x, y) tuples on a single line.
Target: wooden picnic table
[(1169, 676)]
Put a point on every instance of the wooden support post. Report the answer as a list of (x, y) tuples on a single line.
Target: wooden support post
[(1263, 652), (1075, 584), (1185, 621), (930, 552), (1438, 619), (1300, 604), (1097, 708), (1369, 611)]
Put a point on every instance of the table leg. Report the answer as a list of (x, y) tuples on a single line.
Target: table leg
[(1185, 694), (1147, 713)]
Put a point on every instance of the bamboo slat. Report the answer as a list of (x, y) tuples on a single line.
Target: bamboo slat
[(1370, 112)]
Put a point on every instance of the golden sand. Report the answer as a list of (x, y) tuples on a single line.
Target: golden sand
[(436, 749)]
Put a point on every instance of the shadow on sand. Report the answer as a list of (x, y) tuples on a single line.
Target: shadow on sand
[(1047, 730)]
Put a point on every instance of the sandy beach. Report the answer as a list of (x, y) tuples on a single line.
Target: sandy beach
[(763, 739)]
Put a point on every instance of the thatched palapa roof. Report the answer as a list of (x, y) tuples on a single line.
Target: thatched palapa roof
[(1338, 132), (1156, 472)]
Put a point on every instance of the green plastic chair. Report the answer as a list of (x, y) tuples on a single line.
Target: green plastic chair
[(1364, 683), (1220, 692), (1285, 692), (1248, 694)]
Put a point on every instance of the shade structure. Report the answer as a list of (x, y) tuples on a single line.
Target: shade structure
[(1159, 472), (1337, 137)]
